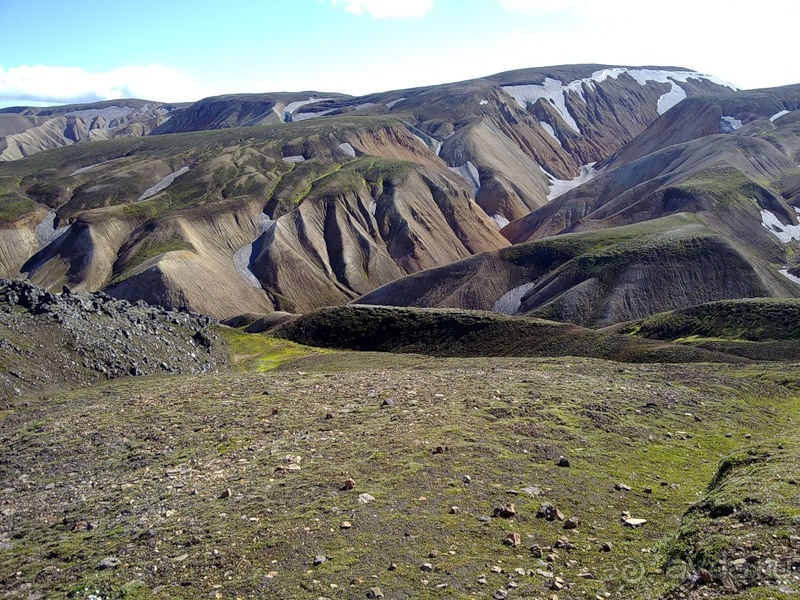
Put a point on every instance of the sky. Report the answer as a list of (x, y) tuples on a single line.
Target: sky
[(66, 51)]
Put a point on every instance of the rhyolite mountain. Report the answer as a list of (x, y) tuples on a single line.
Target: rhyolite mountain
[(28, 130), (290, 202), (701, 206)]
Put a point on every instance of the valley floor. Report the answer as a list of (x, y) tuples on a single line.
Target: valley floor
[(236, 485)]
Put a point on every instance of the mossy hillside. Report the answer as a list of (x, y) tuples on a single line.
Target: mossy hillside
[(261, 353), (452, 332), (754, 319), (151, 462), (52, 170)]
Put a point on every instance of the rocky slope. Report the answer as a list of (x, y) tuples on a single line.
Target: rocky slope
[(50, 341), (28, 130)]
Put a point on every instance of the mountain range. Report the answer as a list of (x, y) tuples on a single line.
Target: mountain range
[(575, 193)]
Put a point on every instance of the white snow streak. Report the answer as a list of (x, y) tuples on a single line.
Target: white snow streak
[(549, 129), (671, 98), (163, 184), (469, 172), (500, 220), (729, 124), (243, 256), (785, 233), (558, 187), (294, 159), (552, 90), (290, 108), (778, 115), (393, 103), (46, 233), (348, 149), (785, 273), (373, 207), (483, 102), (510, 302)]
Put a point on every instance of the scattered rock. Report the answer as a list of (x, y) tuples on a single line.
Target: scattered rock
[(513, 539), (345, 525), (426, 567), (622, 487), (320, 559), (392, 567), (572, 523), (606, 547), (648, 490), (536, 551), (454, 510), (562, 461), (365, 498), (439, 450), (506, 511), (109, 562), (349, 484), (375, 592), (466, 479), (500, 595), (496, 569), (549, 512)]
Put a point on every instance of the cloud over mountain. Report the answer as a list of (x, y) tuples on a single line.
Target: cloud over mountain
[(41, 83)]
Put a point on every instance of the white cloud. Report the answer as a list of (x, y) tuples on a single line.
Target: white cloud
[(387, 9), (39, 83)]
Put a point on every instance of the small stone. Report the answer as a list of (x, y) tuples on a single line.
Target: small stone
[(606, 547), (648, 490), (365, 498), (556, 585), (500, 595), (393, 567), (585, 575), (536, 551), (572, 523), (752, 559), (345, 525), (747, 436), (622, 487), (513, 540), (439, 450), (728, 435), (633, 522), (433, 554), (349, 484), (454, 510), (562, 461), (506, 511), (375, 592), (482, 580), (705, 576), (520, 572), (388, 402), (466, 479), (225, 494), (496, 569), (109, 562), (426, 567), (320, 559), (549, 512)]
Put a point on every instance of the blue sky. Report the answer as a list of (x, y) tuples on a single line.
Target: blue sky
[(58, 51)]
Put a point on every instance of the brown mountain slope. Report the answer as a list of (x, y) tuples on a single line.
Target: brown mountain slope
[(192, 220), (28, 130), (596, 278)]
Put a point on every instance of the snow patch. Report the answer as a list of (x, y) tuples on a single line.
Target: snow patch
[(552, 90), (785, 273), (549, 129), (785, 233), (671, 98), (348, 149), (469, 172), (46, 232), (112, 114), (292, 107), (296, 118), (483, 102), (500, 220), (556, 91), (373, 207), (294, 159), (243, 257), (163, 184), (778, 115), (510, 302), (729, 124), (559, 187), (393, 103)]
